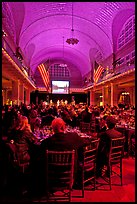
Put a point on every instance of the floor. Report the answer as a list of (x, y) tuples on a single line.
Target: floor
[(125, 193)]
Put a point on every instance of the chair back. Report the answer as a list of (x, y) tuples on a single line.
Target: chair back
[(89, 165), (133, 146), (90, 152), (15, 156), (85, 127), (59, 173), (116, 149), (93, 125)]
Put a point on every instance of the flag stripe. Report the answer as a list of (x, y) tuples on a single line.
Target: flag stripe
[(45, 75), (97, 73)]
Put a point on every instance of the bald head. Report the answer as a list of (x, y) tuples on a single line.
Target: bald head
[(58, 125)]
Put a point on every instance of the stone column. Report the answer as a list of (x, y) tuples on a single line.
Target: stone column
[(133, 96), (103, 96), (27, 96), (21, 93), (106, 95), (114, 94), (4, 96), (92, 97), (15, 92), (131, 91)]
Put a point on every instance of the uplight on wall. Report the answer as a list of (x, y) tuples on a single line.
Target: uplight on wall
[(101, 103), (125, 93)]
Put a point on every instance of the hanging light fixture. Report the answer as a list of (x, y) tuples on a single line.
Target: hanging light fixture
[(72, 40), (63, 64)]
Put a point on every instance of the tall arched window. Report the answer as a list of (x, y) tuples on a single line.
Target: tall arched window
[(127, 32), (58, 71)]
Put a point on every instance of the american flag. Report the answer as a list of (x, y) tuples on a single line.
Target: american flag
[(45, 75), (98, 73)]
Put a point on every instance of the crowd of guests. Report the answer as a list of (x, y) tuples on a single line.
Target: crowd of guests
[(71, 114), (20, 122)]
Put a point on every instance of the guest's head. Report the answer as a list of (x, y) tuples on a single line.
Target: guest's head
[(24, 124), (50, 111), (111, 122), (58, 125)]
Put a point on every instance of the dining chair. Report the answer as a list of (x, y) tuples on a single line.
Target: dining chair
[(114, 166), (93, 125), (17, 170), (59, 175), (133, 147), (89, 165)]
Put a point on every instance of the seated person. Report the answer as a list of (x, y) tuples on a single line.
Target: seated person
[(102, 125), (22, 135), (86, 116), (32, 118), (23, 144), (47, 120), (61, 141), (104, 143)]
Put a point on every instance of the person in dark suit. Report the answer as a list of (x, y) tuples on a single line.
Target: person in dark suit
[(47, 120), (104, 144), (61, 141), (86, 116)]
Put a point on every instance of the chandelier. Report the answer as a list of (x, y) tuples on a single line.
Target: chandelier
[(63, 64), (72, 40)]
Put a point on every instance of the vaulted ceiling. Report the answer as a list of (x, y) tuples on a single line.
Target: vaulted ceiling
[(38, 29)]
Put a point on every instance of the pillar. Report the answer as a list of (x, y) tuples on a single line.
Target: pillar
[(106, 95), (21, 93), (133, 96), (114, 95), (4, 96), (15, 92), (27, 102), (103, 95), (131, 91), (92, 97)]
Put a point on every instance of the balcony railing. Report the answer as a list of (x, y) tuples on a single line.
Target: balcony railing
[(10, 52)]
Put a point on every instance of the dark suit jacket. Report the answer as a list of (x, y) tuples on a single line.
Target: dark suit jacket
[(104, 145), (47, 120), (86, 116), (63, 141)]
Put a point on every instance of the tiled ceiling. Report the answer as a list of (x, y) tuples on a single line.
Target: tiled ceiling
[(38, 29)]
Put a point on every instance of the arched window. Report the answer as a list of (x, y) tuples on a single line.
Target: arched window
[(127, 32), (58, 71)]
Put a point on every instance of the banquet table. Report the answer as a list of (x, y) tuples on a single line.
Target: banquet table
[(46, 132)]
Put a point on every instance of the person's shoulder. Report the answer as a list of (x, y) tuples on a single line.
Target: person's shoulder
[(118, 133), (101, 134), (46, 141), (114, 133), (72, 134)]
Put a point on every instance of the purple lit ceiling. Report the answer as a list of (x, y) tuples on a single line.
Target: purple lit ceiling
[(38, 29)]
